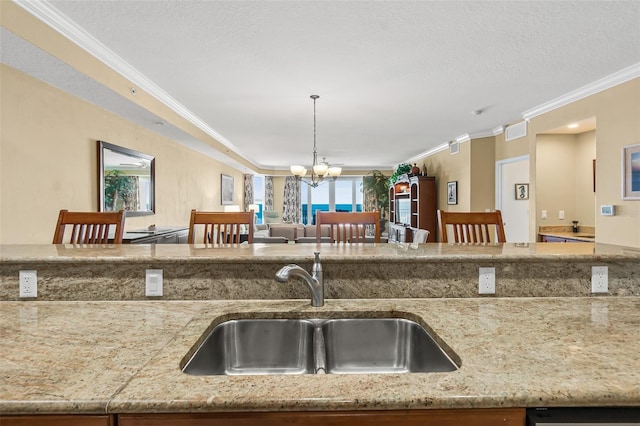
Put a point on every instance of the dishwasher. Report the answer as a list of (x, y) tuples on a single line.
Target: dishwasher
[(587, 416)]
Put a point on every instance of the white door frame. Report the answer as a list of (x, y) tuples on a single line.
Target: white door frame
[(499, 205), (498, 181)]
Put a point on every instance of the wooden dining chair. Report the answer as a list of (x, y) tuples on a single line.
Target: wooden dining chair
[(472, 227), (220, 228), (348, 227), (90, 227)]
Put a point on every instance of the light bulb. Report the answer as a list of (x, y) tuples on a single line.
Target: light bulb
[(321, 169), (335, 171), (298, 171)]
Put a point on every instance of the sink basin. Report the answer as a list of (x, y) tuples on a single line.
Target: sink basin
[(266, 346), (381, 346), (310, 346)]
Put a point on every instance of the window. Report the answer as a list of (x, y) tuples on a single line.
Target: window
[(342, 195)]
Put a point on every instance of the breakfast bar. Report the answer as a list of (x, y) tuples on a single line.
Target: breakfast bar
[(122, 358)]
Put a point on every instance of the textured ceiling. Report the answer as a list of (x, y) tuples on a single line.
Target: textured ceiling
[(395, 78)]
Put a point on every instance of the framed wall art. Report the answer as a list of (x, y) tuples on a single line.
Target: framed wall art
[(522, 191), (226, 189), (452, 192), (631, 172)]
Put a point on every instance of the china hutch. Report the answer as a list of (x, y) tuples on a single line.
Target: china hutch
[(412, 206)]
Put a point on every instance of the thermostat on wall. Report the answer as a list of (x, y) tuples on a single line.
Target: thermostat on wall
[(607, 210)]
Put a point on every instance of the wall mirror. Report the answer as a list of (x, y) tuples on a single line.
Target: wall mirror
[(126, 180)]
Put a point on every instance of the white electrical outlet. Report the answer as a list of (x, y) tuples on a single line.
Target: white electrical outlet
[(487, 281), (543, 214), (28, 284), (599, 279), (561, 214), (153, 282)]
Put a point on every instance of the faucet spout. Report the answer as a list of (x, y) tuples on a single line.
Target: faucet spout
[(315, 281)]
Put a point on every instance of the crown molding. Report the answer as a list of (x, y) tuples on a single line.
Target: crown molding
[(463, 138), (428, 153), (60, 23), (605, 83), (480, 135)]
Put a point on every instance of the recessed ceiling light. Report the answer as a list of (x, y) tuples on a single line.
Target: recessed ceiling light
[(573, 125)]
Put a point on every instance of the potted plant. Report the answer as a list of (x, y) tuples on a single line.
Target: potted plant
[(376, 186), (402, 169), (117, 189)]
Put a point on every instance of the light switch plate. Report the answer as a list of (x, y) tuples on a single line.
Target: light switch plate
[(153, 282)]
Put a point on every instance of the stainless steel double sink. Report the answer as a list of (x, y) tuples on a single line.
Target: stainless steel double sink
[(318, 346)]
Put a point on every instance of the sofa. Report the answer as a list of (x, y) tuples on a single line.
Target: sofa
[(289, 232)]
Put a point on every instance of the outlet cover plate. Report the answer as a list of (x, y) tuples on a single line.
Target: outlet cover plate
[(599, 279), (28, 283), (487, 281)]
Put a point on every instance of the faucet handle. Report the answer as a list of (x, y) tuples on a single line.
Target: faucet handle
[(316, 254)]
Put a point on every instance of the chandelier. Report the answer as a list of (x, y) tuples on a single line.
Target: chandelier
[(319, 171)]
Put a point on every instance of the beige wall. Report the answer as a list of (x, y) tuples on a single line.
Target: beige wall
[(616, 111), (48, 162), (483, 174), (474, 170), (557, 166), (585, 197), (447, 168), (511, 149)]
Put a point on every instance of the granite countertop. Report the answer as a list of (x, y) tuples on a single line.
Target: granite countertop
[(336, 253), (586, 233), (579, 236), (124, 357)]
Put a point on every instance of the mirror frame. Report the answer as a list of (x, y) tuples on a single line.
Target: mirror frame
[(102, 145)]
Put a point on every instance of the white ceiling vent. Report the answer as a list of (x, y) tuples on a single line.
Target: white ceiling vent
[(454, 147), (515, 131)]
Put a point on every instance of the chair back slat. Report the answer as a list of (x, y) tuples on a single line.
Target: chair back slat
[(220, 228), (89, 227), (471, 227), (349, 227)]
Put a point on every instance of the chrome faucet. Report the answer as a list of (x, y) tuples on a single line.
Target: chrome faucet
[(315, 280)]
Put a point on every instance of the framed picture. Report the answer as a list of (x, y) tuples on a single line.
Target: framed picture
[(522, 191), (631, 172), (452, 192), (226, 189)]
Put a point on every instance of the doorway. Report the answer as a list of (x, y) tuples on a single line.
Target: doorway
[(514, 207)]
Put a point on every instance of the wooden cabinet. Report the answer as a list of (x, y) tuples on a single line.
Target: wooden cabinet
[(413, 205), (469, 417), (57, 420)]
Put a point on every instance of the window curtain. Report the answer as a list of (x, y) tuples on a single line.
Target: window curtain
[(369, 195), (291, 206), (268, 193), (248, 191)]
